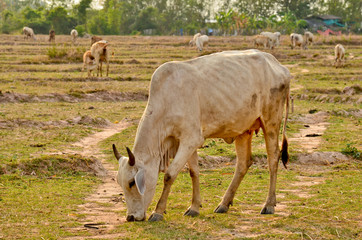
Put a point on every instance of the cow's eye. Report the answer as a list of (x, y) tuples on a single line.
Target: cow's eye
[(131, 184)]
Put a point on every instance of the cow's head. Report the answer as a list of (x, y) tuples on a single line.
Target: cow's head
[(131, 177)]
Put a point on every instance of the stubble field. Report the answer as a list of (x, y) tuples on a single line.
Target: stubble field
[(56, 126)]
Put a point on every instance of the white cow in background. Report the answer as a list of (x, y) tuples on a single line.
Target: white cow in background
[(28, 32), (201, 42), (339, 53), (273, 37), (74, 36), (297, 40), (193, 41)]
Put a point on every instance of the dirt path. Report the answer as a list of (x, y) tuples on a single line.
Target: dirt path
[(102, 207), (310, 137)]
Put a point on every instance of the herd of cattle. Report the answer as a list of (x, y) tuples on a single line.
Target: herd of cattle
[(221, 95), (99, 54)]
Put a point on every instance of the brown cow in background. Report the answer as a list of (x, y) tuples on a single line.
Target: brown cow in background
[(51, 35), (95, 39)]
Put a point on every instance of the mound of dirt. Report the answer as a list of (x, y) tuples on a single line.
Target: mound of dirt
[(352, 90), (210, 162), (350, 112), (331, 99), (81, 120), (86, 120), (321, 158), (133, 61), (51, 165), (99, 96), (314, 118)]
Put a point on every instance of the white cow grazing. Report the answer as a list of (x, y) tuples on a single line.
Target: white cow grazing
[(74, 35), (28, 32), (309, 37), (339, 53), (202, 41), (297, 40), (225, 95), (273, 37), (193, 41), (278, 36)]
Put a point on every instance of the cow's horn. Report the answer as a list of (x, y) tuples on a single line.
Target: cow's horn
[(116, 153), (131, 157)]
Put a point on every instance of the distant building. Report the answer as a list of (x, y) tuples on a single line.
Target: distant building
[(323, 22)]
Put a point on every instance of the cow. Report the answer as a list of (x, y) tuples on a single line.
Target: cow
[(278, 36), (201, 42), (51, 35), (309, 38), (95, 39), (193, 41), (101, 54), (74, 35), (297, 40), (88, 62), (273, 37), (339, 53), (260, 40), (28, 32), (227, 95)]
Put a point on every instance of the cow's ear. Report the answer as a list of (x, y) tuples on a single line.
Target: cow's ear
[(131, 157), (140, 181)]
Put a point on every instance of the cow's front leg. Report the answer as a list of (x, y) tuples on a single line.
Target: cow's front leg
[(243, 151), (193, 210), (183, 154)]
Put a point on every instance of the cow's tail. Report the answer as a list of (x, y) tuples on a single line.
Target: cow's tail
[(284, 151)]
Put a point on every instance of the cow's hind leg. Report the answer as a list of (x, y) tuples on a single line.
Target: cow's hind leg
[(272, 147), (193, 210), (243, 151)]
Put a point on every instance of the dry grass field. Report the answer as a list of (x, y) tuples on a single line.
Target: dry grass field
[(56, 126)]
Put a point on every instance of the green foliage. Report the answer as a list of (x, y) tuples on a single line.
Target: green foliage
[(166, 17), (71, 54), (352, 151), (81, 10), (9, 22), (40, 26), (146, 19), (61, 22), (81, 30), (55, 52)]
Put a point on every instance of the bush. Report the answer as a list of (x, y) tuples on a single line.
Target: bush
[(352, 151), (65, 52), (40, 26), (54, 52), (81, 30)]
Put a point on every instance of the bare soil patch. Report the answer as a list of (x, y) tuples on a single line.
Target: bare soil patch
[(99, 96), (310, 137)]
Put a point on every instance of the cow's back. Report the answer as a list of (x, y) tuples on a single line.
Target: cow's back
[(220, 89)]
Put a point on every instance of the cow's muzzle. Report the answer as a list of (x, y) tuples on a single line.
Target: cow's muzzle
[(131, 218)]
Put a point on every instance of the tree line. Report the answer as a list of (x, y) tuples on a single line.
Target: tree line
[(166, 17)]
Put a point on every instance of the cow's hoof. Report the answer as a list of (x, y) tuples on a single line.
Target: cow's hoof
[(221, 209), (191, 213), (155, 217), (267, 210)]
